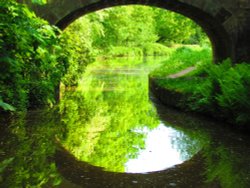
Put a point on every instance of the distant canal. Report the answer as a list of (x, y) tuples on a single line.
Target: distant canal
[(110, 132)]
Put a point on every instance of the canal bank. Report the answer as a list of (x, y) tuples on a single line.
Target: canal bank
[(180, 99)]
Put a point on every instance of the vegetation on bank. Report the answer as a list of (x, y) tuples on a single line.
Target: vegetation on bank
[(183, 57), (221, 90), (36, 57), (126, 31), (31, 61), (134, 31)]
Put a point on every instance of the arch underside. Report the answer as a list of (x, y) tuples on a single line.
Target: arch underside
[(213, 27)]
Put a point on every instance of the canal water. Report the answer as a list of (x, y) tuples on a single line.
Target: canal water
[(110, 132)]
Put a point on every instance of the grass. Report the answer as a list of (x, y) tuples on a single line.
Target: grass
[(182, 58), (184, 84)]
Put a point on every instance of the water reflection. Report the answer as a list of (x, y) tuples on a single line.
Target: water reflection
[(27, 149), (159, 152), (225, 152), (104, 135), (164, 148), (122, 131), (48, 148)]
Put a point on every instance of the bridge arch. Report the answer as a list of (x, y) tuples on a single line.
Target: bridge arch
[(219, 38), (209, 14)]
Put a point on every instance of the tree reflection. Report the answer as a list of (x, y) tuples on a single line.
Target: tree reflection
[(105, 129), (225, 154), (101, 124), (27, 150), (227, 165)]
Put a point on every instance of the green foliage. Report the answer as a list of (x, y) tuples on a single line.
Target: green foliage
[(125, 26), (224, 92), (113, 30), (198, 37), (30, 69), (156, 49), (122, 51), (221, 90), (34, 59), (149, 49), (6, 106), (197, 88), (40, 2), (174, 28), (133, 31), (201, 98), (181, 58), (4, 164), (77, 45), (231, 91)]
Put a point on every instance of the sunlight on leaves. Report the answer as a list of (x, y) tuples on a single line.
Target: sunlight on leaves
[(39, 2)]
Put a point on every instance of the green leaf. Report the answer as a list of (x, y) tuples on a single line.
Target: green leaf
[(39, 2), (6, 106), (5, 163)]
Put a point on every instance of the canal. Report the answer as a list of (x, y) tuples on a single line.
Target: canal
[(111, 132)]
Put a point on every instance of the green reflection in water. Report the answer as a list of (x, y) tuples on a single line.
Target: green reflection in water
[(27, 147), (225, 152), (228, 164), (27, 142), (103, 113)]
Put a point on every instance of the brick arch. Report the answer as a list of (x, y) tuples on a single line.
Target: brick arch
[(226, 22)]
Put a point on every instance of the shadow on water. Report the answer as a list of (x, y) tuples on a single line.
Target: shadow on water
[(188, 174)]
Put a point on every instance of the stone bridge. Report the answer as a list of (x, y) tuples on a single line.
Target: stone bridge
[(226, 22)]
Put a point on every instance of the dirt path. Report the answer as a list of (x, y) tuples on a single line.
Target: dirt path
[(181, 73)]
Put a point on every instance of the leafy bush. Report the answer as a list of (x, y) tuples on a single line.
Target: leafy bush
[(224, 92), (29, 60), (77, 47), (122, 51), (231, 88), (155, 49), (221, 90)]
